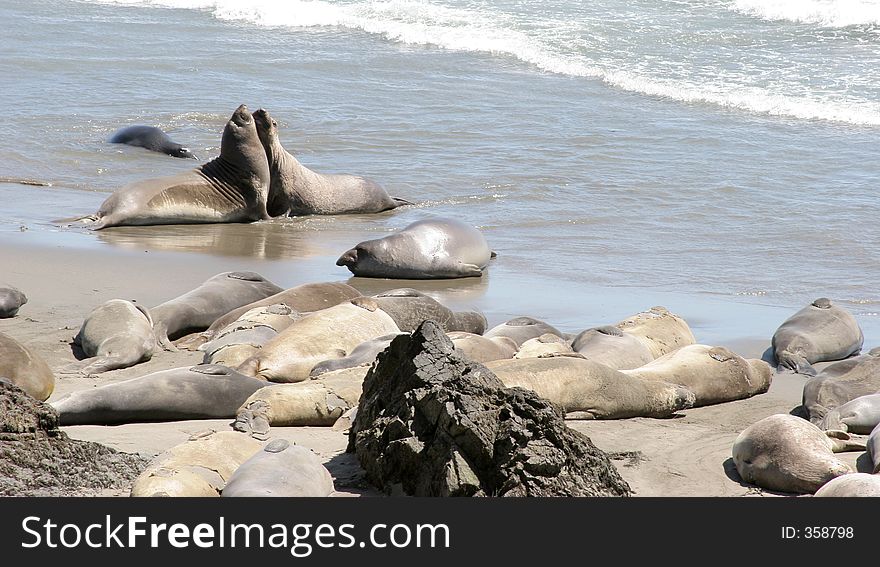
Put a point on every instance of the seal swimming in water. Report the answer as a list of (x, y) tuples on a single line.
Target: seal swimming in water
[(297, 190), (232, 187), (151, 138), (438, 248), (11, 300), (819, 332), (22, 367)]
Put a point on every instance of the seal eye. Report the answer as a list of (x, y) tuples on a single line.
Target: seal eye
[(274, 123)]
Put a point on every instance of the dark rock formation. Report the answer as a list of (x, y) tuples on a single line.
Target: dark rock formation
[(38, 459), (432, 423)]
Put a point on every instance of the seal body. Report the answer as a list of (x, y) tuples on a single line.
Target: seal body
[(612, 347), (714, 374), (851, 485), (409, 308), (117, 334), (323, 335), (232, 187), (840, 383), (819, 332), (873, 449), (196, 310), (24, 368), (521, 329), (11, 300), (427, 249), (281, 469), (151, 138), (547, 344), (242, 338), (587, 390), (483, 349), (659, 329), (789, 454), (859, 416), (297, 190), (206, 391), (363, 355)]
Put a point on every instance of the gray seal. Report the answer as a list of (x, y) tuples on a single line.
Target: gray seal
[(196, 310), (11, 300), (207, 391), (151, 138), (363, 355), (281, 469), (437, 248), (521, 329), (117, 334), (859, 416), (840, 383), (297, 190), (851, 485), (232, 187), (819, 332), (612, 347), (409, 308), (25, 369)]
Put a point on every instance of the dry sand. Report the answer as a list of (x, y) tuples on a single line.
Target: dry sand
[(685, 456)]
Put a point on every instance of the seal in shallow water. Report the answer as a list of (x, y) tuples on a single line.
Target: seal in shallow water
[(151, 138)]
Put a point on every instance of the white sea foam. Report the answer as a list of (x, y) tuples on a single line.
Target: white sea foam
[(826, 13), (420, 22)]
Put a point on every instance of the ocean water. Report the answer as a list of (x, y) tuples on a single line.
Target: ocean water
[(716, 156)]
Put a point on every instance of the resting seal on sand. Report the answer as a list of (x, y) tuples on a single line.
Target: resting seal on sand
[(207, 391), (363, 355), (786, 453), (859, 416), (242, 338), (714, 374), (427, 249), (409, 308), (200, 466), (11, 300), (117, 334), (483, 349), (282, 470), (297, 190), (522, 329), (587, 390), (303, 299), (819, 332), (612, 347), (661, 331), (151, 138), (851, 485), (547, 344), (196, 310), (22, 367), (840, 383), (232, 187), (324, 335), (873, 449)]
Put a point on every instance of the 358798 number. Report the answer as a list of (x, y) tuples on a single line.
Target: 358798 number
[(826, 532)]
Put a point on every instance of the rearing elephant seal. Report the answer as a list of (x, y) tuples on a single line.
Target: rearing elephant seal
[(151, 138), (196, 310), (22, 367), (232, 187), (297, 190), (786, 453), (11, 300), (438, 248), (117, 334), (819, 332)]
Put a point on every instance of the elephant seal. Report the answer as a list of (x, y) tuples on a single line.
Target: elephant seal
[(873, 448), (840, 383), (117, 334), (851, 485), (363, 355), (547, 344), (232, 187), (11, 300), (313, 403), (206, 391), (786, 453), (438, 248), (200, 466), (819, 332), (246, 335), (483, 349), (195, 310), (409, 308), (25, 369), (661, 331), (587, 390), (859, 416), (612, 347), (303, 299), (323, 335), (297, 190), (281, 470), (522, 329), (714, 374), (151, 138)]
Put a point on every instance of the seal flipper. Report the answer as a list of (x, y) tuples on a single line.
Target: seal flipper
[(97, 365), (795, 363), (842, 442), (470, 271), (160, 330), (400, 202)]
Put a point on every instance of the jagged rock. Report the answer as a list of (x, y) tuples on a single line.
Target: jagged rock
[(38, 459), (432, 423)]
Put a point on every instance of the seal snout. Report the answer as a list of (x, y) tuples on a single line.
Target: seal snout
[(350, 258)]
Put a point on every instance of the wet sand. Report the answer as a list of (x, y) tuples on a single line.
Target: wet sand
[(67, 273)]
